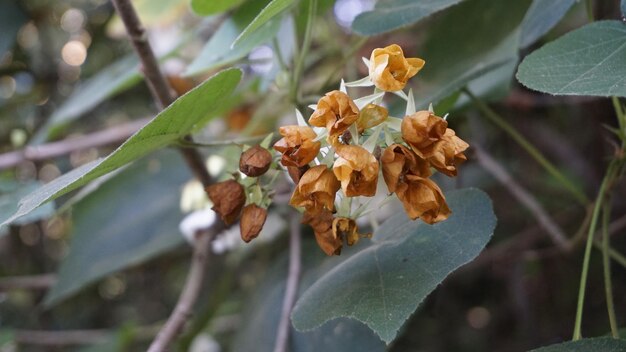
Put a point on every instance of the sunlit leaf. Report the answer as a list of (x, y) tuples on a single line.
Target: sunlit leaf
[(393, 14), (127, 220), (588, 61), (210, 7), (383, 284), (168, 126)]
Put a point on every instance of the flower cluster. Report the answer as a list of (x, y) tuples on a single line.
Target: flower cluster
[(361, 140)]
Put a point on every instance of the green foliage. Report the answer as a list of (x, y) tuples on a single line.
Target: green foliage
[(602, 344), (383, 285), (541, 17), (11, 19), (167, 127), (112, 230), (456, 55), (10, 196), (110, 81), (218, 51), (587, 61), (210, 7), (269, 12), (393, 14)]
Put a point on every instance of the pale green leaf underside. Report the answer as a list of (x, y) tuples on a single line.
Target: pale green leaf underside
[(601, 344), (272, 9), (588, 61), (172, 123), (541, 17), (393, 14), (383, 285), (127, 220)]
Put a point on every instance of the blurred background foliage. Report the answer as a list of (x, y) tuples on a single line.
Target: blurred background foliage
[(109, 260)]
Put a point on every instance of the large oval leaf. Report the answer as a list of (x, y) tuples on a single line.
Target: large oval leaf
[(382, 285), (588, 61), (601, 344), (393, 14), (112, 231), (172, 123), (541, 17)]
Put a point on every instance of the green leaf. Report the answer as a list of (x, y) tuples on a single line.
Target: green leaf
[(274, 8), (456, 55), (168, 126), (112, 80), (11, 20), (541, 17), (588, 61), (112, 231), (393, 14), (210, 7), (9, 201), (218, 52), (383, 285), (262, 315), (6, 339), (602, 344)]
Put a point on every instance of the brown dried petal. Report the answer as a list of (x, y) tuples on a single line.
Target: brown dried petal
[(422, 198), (447, 153), (228, 198), (316, 190), (335, 111), (398, 161), (390, 70), (296, 172), (357, 169), (298, 146), (255, 161), (252, 221), (372, 115), (322, 224), (422, 129)]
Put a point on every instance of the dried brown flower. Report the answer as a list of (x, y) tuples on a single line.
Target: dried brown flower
[(335, 111), (322, 224), (390, 70), (357, 169), (347, 228), (370, 116), (316, 190), (298, 145), (255, 161), (296, 172), (398, 161), (252, 221), (228, 198), (447, 153)]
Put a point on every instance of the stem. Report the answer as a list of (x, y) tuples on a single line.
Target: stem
[(306, 42), (530, 149), (589, 7), (621, 116), (293, 278), (606, 263), (583, 276)]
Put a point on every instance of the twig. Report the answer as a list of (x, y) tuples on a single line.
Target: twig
[(34, 282), (191, 290), (47, 151), (293, 279), (158, 84), (524, 197)]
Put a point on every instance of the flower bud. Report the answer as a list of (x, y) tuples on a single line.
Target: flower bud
[(255, 161), (252, 221), (228, 199)]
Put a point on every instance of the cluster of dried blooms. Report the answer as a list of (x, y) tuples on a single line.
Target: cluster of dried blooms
[(361, 141)]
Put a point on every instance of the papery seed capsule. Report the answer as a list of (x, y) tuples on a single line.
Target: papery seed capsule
[(255, 161), (228, 198), (252, 221)]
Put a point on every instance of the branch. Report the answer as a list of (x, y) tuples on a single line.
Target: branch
[(293, 279), (524, 197), (34, 282), (158, 84), (191, 290), (47, 151)]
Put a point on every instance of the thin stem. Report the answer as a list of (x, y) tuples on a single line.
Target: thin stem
[(293, 279), (306, 42), (606, 263), (279, 54), (621, 116), (530, 149), (589, 8), (583, 276)]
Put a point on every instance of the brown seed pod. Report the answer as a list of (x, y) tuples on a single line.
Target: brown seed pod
[(228, 199), (252, 221), (255, 161), (296, 172)]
